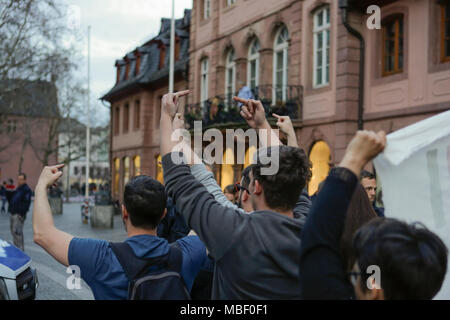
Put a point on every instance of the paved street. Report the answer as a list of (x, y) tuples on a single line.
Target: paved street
[(52, 275)]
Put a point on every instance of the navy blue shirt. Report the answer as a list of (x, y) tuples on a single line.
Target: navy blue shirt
[(101, 270)]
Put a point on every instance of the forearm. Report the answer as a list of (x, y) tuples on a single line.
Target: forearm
[(292, 139), (42, 213), (166, 145), (267, 136)]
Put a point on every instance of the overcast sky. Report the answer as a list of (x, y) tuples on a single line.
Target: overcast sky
[(117, 27)]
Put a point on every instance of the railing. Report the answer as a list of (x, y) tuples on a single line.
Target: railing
[(222, 110)]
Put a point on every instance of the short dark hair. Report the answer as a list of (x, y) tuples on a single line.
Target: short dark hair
[(412, 259), (246, 176), (367, 174), (11, 181), (282, 190), (145, 200), (23, 175), (230, 189)]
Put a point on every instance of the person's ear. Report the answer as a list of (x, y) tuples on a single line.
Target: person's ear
[(124, 212), (375, 294), (258, 187), (245, 196)]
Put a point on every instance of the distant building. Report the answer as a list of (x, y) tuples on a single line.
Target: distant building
[(142, 79), (72, 152), (300, 58), (28, 128)]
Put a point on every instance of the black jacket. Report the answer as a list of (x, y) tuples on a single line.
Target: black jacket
[(322, 271), (19, 200)]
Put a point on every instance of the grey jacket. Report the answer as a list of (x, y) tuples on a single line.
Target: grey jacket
[(256, 254)]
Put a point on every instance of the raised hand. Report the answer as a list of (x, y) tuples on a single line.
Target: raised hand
[(285, 125), (50, 175), (170, 102), (253, 112), (364, 146)]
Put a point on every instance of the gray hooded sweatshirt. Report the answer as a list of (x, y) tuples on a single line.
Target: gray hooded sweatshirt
[(256, 254)]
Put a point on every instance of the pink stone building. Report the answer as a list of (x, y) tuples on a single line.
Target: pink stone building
[(28, 129)]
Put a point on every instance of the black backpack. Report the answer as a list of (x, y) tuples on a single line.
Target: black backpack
[(165, 284)]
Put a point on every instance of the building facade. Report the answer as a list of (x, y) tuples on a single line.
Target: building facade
[(29, 118), (142, 80), (304, 59), (317, 61)]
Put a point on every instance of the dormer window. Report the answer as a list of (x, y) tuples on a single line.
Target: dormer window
[(162, 56), (127, 69), (138, 62)]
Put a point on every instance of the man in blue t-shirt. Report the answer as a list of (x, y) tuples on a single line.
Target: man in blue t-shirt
[(144, 207)]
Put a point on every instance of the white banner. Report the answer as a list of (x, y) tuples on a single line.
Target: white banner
[(414, 172)]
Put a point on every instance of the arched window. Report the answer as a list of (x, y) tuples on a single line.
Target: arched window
[(392, 46), (137, 166), (230, 72), (280, 65), (319, 156), (116, 176), (321, 47), (126, 170), (159, 169), (204, 80), (206, 9), (227, 172), (253, 65)]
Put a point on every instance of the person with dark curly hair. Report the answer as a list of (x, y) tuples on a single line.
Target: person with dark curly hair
[(256, 254)]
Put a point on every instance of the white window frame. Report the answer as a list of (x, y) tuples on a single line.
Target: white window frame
[(230, 2), (325, 30), (204, 80), (253, 58), (283, 47), (206, 9), (230, 66)]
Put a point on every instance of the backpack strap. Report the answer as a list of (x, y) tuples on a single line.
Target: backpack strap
[(134, 266)]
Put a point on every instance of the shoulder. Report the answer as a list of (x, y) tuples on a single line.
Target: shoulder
[(86, 248)]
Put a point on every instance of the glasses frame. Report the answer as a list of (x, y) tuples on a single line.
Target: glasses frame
[(239, 187)]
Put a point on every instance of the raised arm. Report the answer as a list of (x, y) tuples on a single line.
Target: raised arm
[(322, 272), (46, 235), (253, 112), (285, 125), (216, 225)]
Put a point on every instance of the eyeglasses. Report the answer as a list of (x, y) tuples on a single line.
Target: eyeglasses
[(353, 277), (238, 187)]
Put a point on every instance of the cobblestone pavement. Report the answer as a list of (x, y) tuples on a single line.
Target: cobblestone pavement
[(52, 275)]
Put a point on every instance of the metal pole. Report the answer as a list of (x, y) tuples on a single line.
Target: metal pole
[(172, 48), (86, 201)]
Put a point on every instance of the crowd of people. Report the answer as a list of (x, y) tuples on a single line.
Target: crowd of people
[(263, 238)]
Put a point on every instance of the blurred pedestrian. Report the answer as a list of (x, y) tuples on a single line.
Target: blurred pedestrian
[(369, 182), (19, 204), (3, 196)]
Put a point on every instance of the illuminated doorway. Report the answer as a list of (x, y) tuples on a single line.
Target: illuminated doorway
[(227, 172), (319, 156), (137, 166), (249, 156), (159, 169)]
